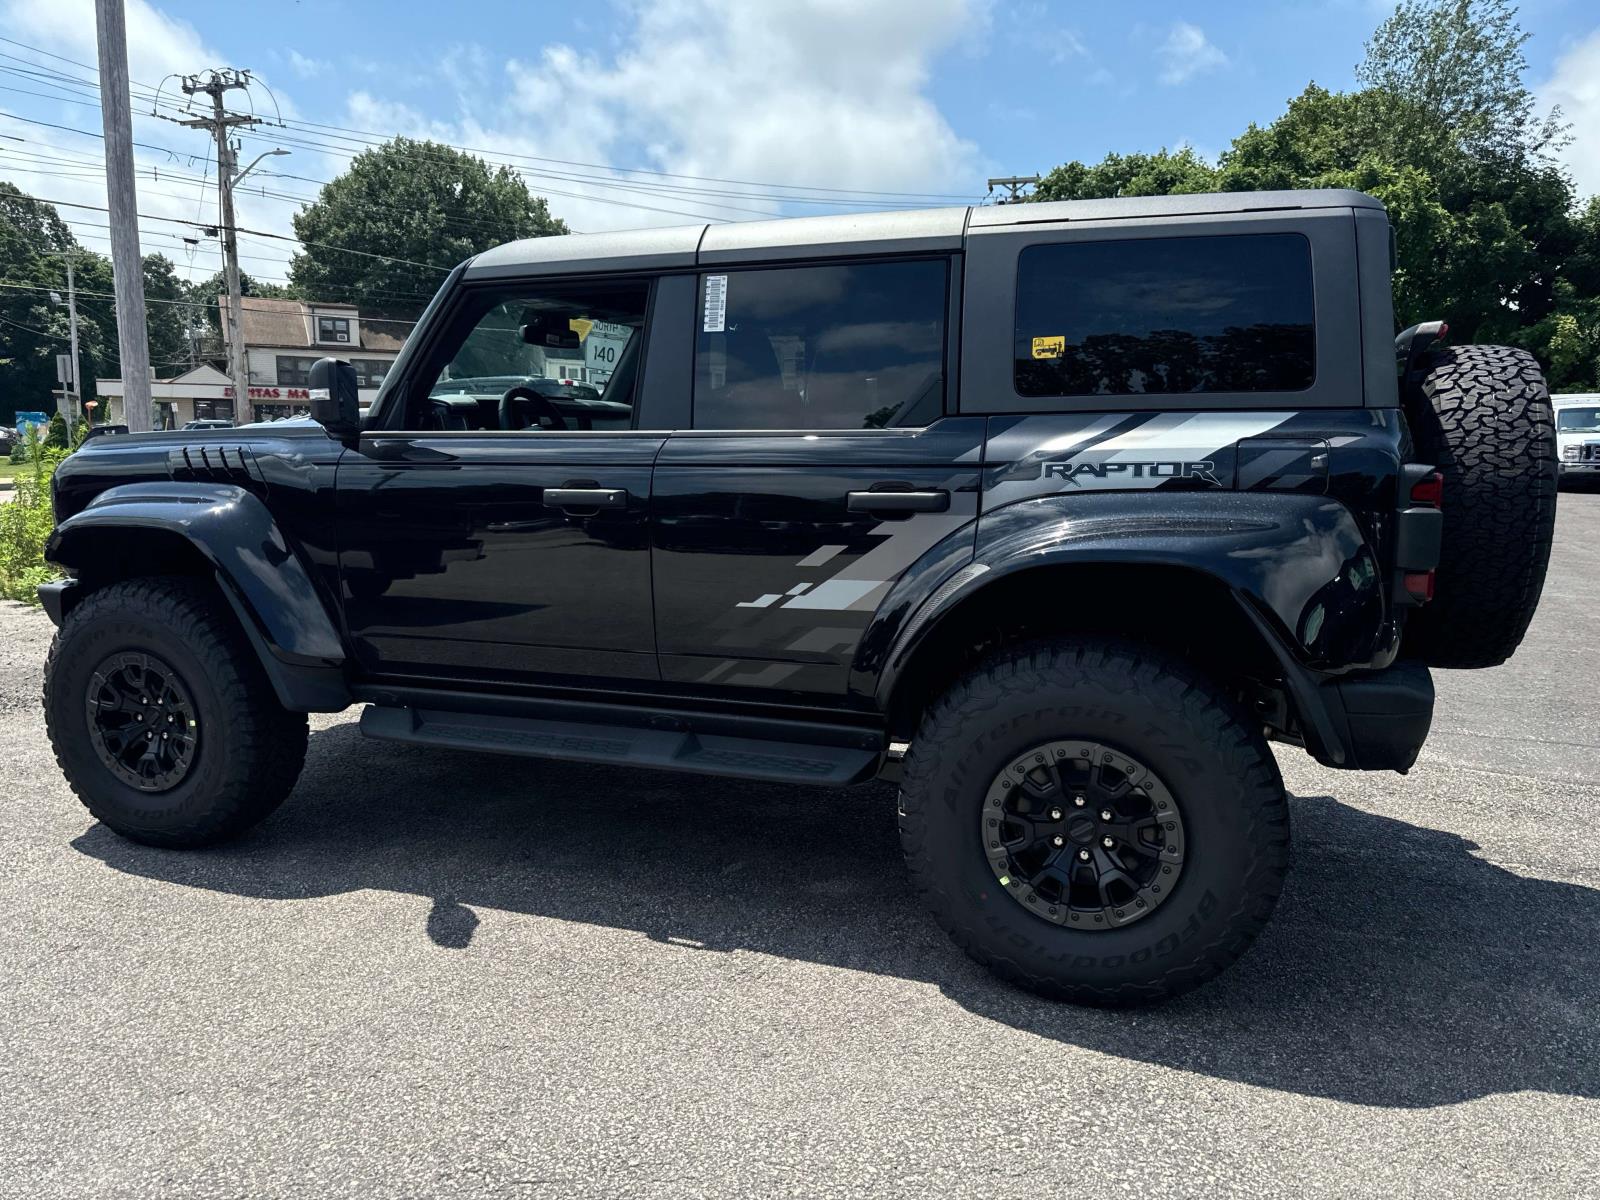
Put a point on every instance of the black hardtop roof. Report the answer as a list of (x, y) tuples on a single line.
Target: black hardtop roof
[(924, 230)]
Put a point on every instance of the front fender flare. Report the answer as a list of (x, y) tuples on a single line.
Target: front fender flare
[(259, 572)]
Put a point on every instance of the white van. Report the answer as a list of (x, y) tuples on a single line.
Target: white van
[(1578, 434)]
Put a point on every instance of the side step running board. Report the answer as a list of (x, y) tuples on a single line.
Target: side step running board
[(671, 749)]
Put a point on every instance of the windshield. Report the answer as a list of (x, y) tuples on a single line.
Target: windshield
[(1578, 420)]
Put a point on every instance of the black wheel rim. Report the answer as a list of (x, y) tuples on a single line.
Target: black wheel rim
[(142, 721), (1083, 835)]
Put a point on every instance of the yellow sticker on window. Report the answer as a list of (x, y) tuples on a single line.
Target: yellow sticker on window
[(1049, 347)]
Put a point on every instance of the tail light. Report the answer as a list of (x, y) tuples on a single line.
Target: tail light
[(1419, 528), (1419, 585), (1429, 490)]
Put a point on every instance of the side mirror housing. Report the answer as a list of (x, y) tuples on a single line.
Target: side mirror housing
[(336, 398)]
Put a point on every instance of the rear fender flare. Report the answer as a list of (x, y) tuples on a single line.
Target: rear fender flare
[(1298, 566)]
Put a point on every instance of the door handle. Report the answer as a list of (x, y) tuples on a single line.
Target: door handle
[(586, 498), (898, 502)]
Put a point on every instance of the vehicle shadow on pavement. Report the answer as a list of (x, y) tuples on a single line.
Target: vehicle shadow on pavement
[(1400, 970)]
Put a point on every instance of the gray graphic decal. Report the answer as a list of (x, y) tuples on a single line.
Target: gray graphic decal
[(1039, 456)]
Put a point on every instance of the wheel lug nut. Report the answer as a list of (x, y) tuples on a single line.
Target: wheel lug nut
[(1055, 814), (1108, 842), (1060, 841), (1105, 814), (1083, 854), (1079, 801)]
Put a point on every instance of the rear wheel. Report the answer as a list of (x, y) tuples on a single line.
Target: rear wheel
[(1484, 420), (162, 719), (1094, 822)]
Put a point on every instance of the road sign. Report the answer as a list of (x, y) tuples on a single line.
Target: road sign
[(64, 370), (603, 346)]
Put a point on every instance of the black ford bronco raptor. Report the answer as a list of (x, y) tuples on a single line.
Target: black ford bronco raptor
[(1055, 514)]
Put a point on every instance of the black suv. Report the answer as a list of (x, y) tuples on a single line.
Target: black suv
[(1054, 514)]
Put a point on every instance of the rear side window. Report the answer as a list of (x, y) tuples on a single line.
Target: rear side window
[(1162, 315), (857, 346)]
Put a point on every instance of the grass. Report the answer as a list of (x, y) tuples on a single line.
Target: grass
[(8, 470)]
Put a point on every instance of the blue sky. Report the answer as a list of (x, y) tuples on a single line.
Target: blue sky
[(924, 97)]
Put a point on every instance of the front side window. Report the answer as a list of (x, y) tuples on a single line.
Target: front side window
[(855, 346), (511, 368), (1165, 315)]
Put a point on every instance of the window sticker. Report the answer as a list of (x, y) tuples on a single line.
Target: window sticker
[(716, 303), (1047, 347)]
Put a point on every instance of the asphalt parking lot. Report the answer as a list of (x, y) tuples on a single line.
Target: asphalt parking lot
[(432, 974)]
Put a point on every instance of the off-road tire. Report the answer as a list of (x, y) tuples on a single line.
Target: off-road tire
[(1484, 420), (249, 751), (1146, 704)]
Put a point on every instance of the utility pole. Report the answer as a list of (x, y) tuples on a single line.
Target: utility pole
[(218, 84), (1014, 184), (72, 324), (127, 264)]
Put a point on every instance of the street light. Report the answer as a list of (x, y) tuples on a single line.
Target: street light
[(252, 166)]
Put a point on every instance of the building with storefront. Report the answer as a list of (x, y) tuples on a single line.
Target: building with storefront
[(282, 339)]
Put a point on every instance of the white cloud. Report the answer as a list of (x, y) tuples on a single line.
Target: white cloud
[(818, 93), (169, 185), (306, 68), (1575, 86), (1187, 52), (814, 93)]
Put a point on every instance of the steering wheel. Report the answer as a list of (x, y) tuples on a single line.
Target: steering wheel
[(543, 410)]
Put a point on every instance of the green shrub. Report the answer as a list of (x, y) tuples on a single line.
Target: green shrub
[(26, 522)]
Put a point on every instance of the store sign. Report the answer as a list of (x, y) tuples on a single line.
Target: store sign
[(272, 393)]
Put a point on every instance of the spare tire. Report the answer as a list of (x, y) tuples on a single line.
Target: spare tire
[(1483, 418)]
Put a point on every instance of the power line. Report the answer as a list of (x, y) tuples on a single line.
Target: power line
[(260, 233), (776, 192)]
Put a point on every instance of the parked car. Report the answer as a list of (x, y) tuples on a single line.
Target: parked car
[(208, 423), (1578, 435), (1052, 514)]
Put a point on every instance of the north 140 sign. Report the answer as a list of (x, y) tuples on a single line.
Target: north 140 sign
[(604, 345)]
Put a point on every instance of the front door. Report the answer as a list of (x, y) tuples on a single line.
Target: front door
[(500, 531), (820, 469)]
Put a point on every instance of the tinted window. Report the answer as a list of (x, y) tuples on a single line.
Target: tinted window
[(1163, 315), (836, 347), (529, 340)]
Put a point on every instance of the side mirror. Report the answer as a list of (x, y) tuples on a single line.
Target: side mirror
[(336, 398)]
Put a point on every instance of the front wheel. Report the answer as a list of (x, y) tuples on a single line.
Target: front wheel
[(161, 718), (1093, 821)]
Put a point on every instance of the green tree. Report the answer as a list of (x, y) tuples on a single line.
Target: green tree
[(166, 323), (403, 204), (204, 295), (1166, 172), (1456, 67), (1447, 136), (34, 246)]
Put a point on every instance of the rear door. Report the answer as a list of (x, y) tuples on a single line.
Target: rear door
[(820, 467)]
